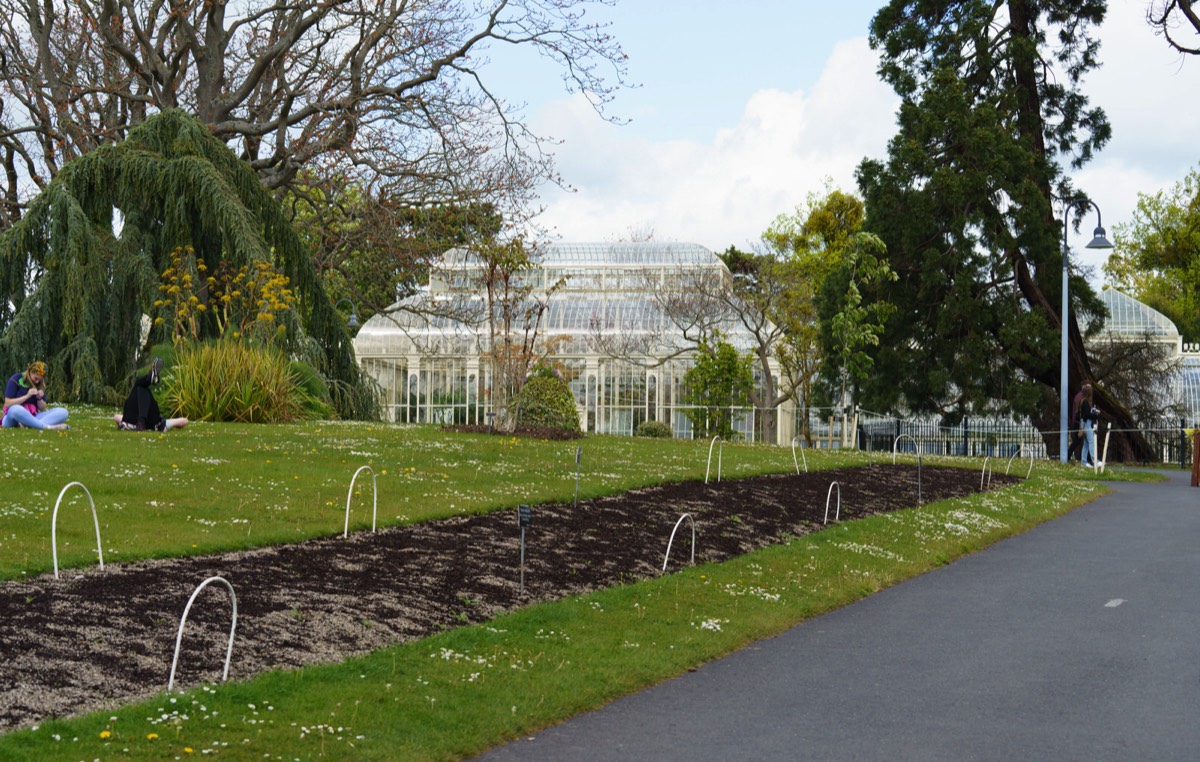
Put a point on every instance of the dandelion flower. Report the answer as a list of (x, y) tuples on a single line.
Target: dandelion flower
[(106, 734), (151, 736)]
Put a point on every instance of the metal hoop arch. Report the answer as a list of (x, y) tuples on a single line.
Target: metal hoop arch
[(54, 525), (802, 456), (183, 621), (896, 446), (838, 515), (374, 499), (691, 521), (720, 452)]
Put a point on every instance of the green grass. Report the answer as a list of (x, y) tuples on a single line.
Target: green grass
[(465, 690), (216, 487)]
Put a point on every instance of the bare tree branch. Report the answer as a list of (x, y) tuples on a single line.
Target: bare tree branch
[(1166, 16), (391, 93)]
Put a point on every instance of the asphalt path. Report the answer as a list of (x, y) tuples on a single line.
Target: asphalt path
[(1078, 640)]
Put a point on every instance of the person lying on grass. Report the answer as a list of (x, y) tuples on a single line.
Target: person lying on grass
[(25, 401), (140, 412)]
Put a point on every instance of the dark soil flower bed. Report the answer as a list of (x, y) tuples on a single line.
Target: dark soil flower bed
[(100, 638)]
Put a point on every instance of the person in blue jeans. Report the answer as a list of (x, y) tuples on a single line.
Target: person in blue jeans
[(25, 401), (1089, 416)]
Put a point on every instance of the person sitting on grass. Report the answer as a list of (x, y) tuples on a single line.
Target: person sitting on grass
[(25, 402), (140, 412)]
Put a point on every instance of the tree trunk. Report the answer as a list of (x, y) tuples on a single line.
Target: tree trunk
[(1129, 444)]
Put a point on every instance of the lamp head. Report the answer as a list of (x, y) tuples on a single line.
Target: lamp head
[(1099, 240), (352, 321)]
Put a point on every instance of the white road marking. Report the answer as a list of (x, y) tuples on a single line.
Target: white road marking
[(1114, 603)]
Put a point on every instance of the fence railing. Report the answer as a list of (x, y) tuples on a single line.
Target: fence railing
[(1170, 438)]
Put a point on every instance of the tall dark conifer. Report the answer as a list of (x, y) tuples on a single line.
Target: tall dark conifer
[(967, 203)]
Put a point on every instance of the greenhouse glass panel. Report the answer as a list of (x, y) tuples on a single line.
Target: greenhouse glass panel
[(608, 317)]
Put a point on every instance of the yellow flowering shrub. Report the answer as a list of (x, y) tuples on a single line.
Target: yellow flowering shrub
[(253, 301)]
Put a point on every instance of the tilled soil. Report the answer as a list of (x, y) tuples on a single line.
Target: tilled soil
[(96, 638)]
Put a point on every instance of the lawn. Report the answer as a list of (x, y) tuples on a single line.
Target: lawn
[(221, 487)]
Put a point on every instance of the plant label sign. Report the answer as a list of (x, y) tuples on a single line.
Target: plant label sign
[(524, 519)]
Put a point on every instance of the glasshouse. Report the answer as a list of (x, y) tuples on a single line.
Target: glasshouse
[(1130, 319), (605, 328)]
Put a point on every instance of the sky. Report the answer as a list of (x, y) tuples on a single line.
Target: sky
[(741, 113)]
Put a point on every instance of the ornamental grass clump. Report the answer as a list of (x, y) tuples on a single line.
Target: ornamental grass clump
[(240, 382)]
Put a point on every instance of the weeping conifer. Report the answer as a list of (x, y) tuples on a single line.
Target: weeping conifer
[(83, 264)]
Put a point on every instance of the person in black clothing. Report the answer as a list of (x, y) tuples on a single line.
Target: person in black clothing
[(1089, 416), (140, 412)]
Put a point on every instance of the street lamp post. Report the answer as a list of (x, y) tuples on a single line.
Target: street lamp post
[(352, 321), (1099, 241)]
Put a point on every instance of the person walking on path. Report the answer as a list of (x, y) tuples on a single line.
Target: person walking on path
[(1089, 414), (25, 402), (140, 412), (1076, 435)]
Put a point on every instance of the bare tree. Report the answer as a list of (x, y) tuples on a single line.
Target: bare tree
[(1167, 16), (515, 308), (1137, 372), (768, 302), (386, 92)]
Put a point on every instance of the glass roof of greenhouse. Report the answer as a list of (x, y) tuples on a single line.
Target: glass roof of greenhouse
[(650, 254), (562, 316), (614, 307), (1129, 317)]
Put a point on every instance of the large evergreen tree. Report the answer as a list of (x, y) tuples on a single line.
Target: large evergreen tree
[(83, 265), (966, 203)]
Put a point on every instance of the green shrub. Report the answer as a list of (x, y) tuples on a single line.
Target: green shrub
[(317, 400), (236, 381), (547, 401), (656, 429)]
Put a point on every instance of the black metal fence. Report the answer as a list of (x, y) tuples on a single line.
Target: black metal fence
[(975, 437), (881, 433), (1170, 438)]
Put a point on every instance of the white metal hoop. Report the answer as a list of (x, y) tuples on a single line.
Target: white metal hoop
[(374, 499), (796, 463), (54, 525), (986, 473), (720, 451), (896, 446), (691, 521), (183, 621), (838, 515)]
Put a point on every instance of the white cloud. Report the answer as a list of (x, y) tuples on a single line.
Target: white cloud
[(782, 146), (1148, 93), (727, 190)]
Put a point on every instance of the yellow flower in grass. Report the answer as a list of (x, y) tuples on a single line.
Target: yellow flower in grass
[(106, 734), (151, 736)]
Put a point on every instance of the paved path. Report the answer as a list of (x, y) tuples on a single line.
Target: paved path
[(1077, 640)]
